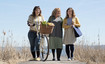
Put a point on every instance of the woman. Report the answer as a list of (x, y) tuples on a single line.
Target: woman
[(55, 39), (34, 36), (69, 36)]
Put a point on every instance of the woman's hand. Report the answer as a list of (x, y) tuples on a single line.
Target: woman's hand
[(73, 24), (31, 25)]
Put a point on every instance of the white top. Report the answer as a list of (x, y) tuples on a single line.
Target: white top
[(37, 21)]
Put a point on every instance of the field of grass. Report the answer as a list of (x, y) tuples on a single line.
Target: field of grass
[(85, 53)]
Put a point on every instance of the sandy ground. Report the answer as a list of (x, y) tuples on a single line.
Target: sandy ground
[(49, 61), (2, 62)]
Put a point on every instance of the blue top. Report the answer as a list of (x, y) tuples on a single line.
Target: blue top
[(69, 21)]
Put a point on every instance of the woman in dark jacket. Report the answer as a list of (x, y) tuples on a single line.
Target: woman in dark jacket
[(55, 39)]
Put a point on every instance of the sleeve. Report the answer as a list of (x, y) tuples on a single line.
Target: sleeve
[(64, 24), (43, 18), (30, 20), (77, 24)]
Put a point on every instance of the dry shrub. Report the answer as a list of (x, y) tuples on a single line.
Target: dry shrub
[(12, 56), (85, 53), (89, 54)]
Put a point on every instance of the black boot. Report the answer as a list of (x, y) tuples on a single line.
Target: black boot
[(33, 54), (53, 53), (59, 54), (38, 54)]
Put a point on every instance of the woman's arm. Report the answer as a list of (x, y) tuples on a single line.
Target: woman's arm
[(30, 21), (42, 19), (77, 24), (65, 24)]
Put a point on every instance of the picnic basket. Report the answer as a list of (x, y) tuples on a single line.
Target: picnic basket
[(46, 28)]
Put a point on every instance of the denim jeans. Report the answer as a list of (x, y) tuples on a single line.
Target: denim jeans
[(34, 41)]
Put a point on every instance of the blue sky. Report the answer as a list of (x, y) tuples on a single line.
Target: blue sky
[(91, 14)]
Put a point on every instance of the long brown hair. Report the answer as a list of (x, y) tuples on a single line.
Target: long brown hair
[(55, 11), (73, 13), (33, 13)]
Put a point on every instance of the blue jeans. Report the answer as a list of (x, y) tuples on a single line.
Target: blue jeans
[(34, 41)]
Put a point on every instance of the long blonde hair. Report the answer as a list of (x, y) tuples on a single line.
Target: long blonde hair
[(55, 11)]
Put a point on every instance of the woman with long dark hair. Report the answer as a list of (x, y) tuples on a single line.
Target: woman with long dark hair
[(34, 22)]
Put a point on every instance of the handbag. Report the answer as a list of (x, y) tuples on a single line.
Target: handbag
[(77, 31)]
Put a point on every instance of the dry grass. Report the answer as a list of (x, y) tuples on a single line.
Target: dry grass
[(90, 55), (10, 54)]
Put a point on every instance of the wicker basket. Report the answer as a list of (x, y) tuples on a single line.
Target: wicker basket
[(46, 29)]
